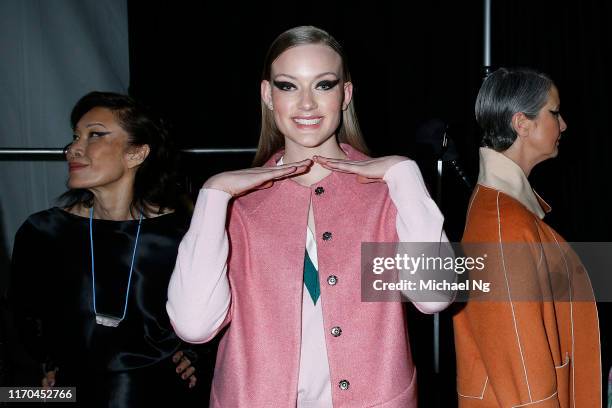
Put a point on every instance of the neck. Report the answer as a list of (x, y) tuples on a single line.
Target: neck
[(113, 204), (294, 153), (517, 154)]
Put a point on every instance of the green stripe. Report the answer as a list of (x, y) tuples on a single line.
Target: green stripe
[(311, 278)]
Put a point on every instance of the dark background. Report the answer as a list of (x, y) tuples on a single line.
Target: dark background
[(199, 65)]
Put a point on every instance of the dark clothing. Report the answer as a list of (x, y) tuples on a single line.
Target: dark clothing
[(52, 297)]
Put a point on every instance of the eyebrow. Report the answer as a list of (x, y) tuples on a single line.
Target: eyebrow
[(318, 76), (95, 124)]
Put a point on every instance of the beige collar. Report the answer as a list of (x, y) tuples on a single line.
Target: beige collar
[(501, 173)]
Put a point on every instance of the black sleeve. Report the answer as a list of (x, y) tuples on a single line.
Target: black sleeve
[(26, 293)]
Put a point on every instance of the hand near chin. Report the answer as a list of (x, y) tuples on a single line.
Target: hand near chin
[(367, 171), (239, 182)]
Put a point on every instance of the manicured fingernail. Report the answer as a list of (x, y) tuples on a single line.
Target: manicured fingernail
[(191, 385), (178, 369), (184, 376)]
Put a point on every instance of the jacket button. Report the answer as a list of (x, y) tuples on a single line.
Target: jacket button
[(336, 331), (327, 236), (319, 190), (344, 385), (332, 280)]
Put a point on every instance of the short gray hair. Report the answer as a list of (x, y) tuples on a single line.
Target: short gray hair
[(504, 93)]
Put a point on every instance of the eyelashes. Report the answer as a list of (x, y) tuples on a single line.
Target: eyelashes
[(284, 86), (327, 85), (98, 134), (324, 85), (91, 134), (555, 112)]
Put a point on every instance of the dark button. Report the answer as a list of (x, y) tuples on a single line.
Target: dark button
[(319, 190), (336, 331), (344, 385), (332, 280), (327, 236)]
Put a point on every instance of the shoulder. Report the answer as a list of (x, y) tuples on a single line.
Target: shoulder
[(43, 220), (43, 225), (495, 214)]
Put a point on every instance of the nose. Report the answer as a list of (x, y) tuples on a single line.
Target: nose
[(562, 124), (74, 149), (307, 100)]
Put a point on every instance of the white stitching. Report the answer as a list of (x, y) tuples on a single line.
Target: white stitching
[(470, 206), (567, 360), (481, 394), (535, 402), (518, 339), (571, 314), (541, 247)]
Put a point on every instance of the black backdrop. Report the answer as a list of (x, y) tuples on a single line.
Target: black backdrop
[(199, 64)]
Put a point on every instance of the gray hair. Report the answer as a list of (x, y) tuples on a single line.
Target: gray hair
[(504, 93)]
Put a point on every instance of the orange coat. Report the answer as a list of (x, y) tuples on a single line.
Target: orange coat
[(535, 341)]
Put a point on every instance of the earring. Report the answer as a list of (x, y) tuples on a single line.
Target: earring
[(270, 106)]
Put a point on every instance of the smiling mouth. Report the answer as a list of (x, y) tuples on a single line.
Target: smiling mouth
[(308, 121)]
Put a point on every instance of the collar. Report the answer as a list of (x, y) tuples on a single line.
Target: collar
[(351, 153), (501, 173), (336, 181)]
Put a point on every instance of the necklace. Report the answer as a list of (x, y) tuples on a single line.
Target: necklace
[(104, 319)]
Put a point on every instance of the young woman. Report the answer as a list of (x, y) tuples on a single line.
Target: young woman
[(273, 251), (89, 279)]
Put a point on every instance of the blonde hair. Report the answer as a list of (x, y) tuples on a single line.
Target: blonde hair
[(270, 138)]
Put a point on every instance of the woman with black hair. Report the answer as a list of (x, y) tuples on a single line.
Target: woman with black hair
[(89, 278)]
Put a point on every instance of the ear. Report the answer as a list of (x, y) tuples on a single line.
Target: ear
[(521, 124), (348, 95), (266, 94), (137, 154)]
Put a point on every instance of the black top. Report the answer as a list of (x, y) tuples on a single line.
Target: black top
[(52, 291)]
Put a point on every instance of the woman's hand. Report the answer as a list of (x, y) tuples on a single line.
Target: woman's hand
[(48, 380), (367, 171), (239, 182), (184, 368)]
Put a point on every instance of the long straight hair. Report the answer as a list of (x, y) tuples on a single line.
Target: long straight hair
[(270, 138)]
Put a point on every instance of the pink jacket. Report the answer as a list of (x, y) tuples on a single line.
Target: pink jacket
[(262, 265)]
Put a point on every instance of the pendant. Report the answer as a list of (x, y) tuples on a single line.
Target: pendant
[(106, 320)]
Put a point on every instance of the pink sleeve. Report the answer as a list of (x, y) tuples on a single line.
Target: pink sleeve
[(418, 220), (199, 292)]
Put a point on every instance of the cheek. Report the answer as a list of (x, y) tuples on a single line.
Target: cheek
[(106, 164), (110, 156), (331, 106), (283, 103)]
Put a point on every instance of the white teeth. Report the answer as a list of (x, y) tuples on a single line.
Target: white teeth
[(308, 122)]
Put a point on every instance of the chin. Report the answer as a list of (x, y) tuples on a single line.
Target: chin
[(75, 183), (310, 141), (553, 154)]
